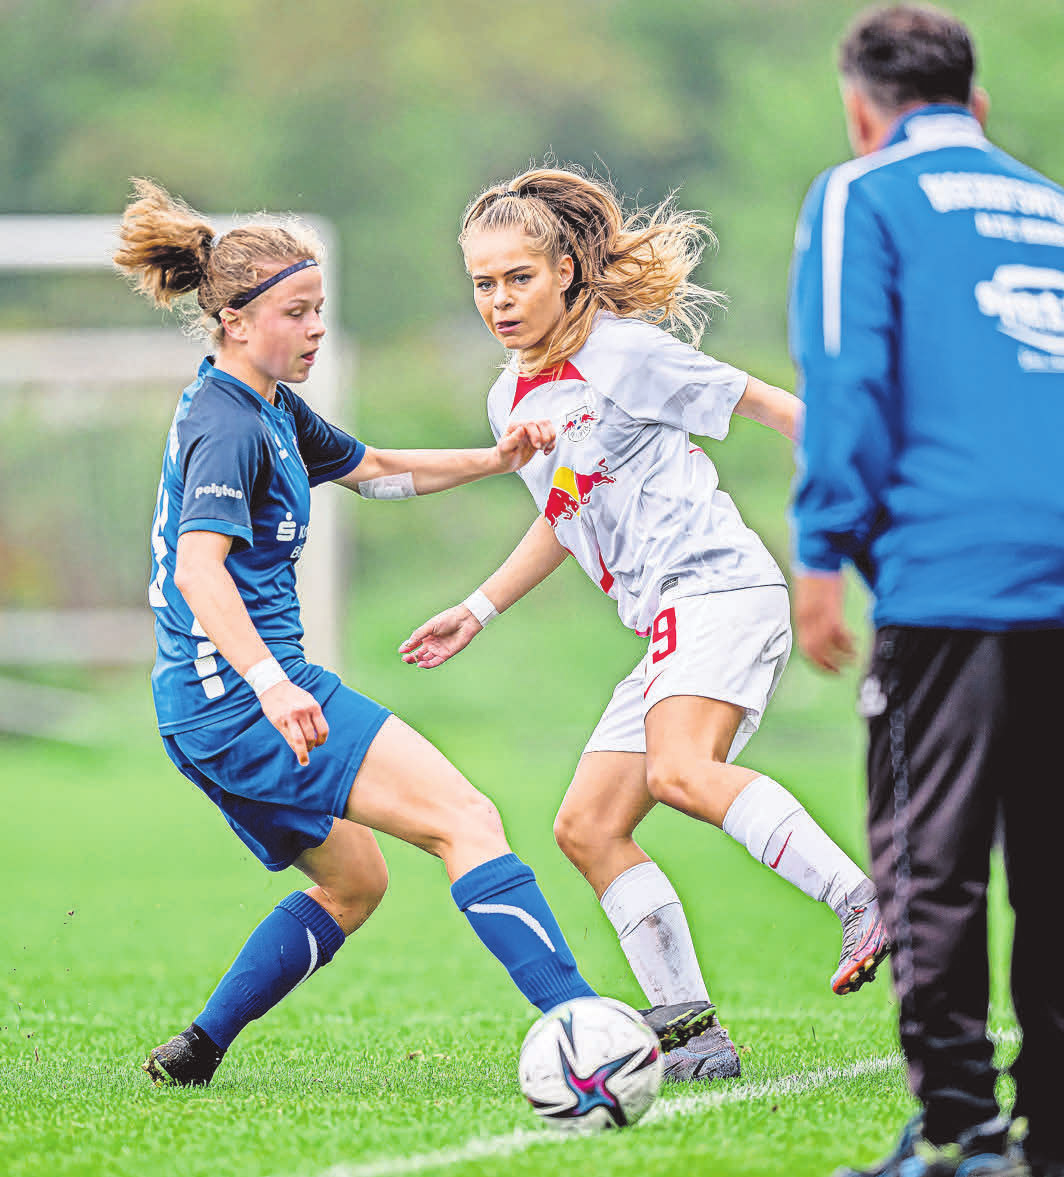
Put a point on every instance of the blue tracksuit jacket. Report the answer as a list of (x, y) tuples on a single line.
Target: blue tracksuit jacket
[(927, 326)]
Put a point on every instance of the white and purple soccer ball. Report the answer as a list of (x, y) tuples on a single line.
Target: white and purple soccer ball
[(589, 1064)]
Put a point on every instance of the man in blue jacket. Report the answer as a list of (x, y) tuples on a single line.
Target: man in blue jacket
[(927, 324)]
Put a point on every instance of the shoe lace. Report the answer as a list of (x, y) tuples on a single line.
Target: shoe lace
[(851, 929)]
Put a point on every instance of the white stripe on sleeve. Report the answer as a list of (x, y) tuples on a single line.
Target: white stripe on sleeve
[(836, 195)]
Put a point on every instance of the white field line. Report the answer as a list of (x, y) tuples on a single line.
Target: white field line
[(476, 1148)]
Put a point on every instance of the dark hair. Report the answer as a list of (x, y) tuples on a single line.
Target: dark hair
[(907, 53)]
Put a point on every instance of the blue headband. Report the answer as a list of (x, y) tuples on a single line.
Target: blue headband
[(242, 300)]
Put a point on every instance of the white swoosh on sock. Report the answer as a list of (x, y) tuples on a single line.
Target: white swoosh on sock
[(313, 945), (505, 909)]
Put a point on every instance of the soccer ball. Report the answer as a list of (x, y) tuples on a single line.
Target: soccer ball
[(589, 1064)]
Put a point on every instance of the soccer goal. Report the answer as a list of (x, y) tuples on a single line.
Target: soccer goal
[(84, 412)]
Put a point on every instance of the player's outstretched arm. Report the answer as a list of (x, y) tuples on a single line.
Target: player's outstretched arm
[(401, 474), (210, 592), (768, 405), (448, 633)]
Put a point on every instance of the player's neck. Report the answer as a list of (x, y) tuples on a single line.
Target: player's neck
[(234, 365)]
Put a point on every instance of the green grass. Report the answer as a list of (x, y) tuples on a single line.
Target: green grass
[(127, 896)]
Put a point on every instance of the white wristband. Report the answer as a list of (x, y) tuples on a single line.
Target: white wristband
[(481, 608), (388, 486), (263, 675)]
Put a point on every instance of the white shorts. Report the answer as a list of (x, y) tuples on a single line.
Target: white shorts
[(731, 646)]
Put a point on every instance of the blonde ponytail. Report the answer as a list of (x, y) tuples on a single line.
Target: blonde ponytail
[(165, 244), (168, 250)]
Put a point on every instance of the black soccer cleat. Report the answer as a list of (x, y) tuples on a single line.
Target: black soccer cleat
[(707, 1056), (676, 1025), (189, 1059)]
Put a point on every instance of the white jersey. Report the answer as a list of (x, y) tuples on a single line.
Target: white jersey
[(625, 489)]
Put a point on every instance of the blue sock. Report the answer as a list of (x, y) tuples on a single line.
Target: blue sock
[(508, 912), (293, 941)]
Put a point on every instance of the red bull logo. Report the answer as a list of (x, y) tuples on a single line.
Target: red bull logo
[(586, 483), (570, 490), (578, 423), (560, 505)]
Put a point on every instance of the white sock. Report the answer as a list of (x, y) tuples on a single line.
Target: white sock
[(649, 919), (777, 831)]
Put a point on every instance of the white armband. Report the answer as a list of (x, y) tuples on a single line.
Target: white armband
[(388, 486), (481, 608), (263, 675)]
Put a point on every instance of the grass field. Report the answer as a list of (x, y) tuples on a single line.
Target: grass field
[(127, 897)]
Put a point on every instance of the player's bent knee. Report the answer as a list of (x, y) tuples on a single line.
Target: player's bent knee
[(472, 819), (578, 838), (671, 786), (481, 814), (375, 884), (364, 888), (703, 790)]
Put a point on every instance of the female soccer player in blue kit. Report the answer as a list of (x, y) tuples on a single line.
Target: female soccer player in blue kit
[(301, 766)]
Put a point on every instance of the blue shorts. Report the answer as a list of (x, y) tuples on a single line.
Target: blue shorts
[(244, 765)]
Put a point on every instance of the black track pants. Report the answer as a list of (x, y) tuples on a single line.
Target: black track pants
[(969, 725)]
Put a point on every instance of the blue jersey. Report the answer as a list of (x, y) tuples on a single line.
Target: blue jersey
[(927, 325), (237, 465)]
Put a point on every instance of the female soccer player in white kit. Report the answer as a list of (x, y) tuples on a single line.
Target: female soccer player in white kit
[(574, 291)]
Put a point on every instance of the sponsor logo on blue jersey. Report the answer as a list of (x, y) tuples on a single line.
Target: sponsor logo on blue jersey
[(220, 492)]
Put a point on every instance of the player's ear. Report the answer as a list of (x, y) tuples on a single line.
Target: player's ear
[(566, 270), (233, 324)]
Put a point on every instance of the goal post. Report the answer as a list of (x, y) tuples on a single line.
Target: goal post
[(88, 404)]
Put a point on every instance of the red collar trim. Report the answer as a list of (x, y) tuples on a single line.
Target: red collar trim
[(525, 384)]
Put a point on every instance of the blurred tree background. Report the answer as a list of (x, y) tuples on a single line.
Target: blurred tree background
[(388, 117)]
